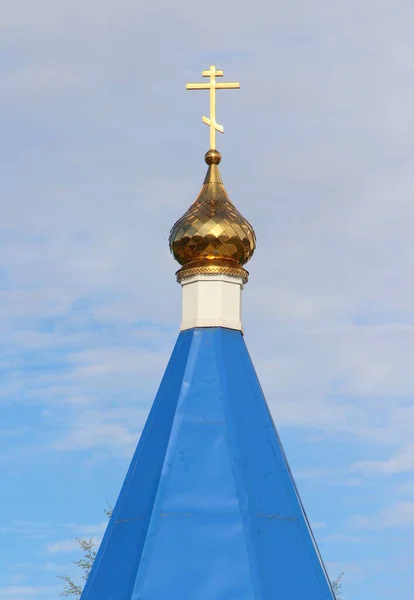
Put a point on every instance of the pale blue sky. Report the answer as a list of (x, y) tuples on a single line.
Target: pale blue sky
[(102, 149)]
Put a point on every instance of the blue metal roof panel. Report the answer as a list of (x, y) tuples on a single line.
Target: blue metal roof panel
[(209, 509)]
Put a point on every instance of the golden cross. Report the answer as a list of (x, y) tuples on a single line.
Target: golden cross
[(212, 86)]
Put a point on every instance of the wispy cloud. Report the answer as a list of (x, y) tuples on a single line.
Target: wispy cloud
[(400, 463), (62, 546), (24, 592), (69, 545), (400, 514)]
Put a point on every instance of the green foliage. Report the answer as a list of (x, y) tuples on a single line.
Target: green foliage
[(337, 586), (85, 564), (71, 588)]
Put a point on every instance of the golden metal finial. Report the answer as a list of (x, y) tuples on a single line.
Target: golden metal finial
[(212, 73), (212, 237)]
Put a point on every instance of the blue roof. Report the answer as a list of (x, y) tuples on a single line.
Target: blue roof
[(209, 509)]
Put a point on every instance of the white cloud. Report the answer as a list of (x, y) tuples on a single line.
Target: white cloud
[(400, 463), (401, 514), (39, 529), (68, 545), (407, 488), (62, 546), (18, 578), (24, 592), (28, 529), (100, 429), (317, 525), (93, 529), (343, 538)]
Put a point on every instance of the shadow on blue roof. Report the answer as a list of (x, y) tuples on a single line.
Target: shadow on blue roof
[(209, 509)]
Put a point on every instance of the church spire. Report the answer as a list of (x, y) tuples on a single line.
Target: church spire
[(209, 509)]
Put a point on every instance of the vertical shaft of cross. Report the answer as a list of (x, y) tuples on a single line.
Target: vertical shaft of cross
[(212, 107)]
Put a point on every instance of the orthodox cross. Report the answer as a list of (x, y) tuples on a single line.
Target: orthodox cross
[(212, 86)]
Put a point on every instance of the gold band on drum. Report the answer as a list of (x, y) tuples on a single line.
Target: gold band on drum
[(212, 270)]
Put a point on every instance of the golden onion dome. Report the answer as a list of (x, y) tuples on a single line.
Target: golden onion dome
[(212, 237)]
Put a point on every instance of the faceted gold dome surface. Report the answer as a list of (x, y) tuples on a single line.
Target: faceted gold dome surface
[(212, 233)]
